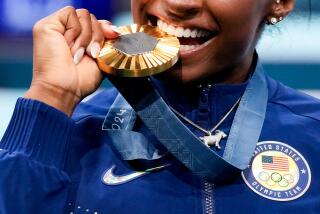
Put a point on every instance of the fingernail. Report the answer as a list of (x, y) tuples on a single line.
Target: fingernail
[(106, 21), (115, 29), (78, 55), (95, 49)]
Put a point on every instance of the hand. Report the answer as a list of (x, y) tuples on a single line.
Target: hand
[(64, 69)]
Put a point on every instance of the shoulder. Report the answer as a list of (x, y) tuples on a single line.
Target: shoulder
[(295, 101), (96, 104)]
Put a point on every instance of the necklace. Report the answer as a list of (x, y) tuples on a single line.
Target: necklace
[(210, 139)]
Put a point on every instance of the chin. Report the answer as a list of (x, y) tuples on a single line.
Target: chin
[(182, 74)]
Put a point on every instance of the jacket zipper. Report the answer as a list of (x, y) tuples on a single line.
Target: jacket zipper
[(208, 197), (207, 187)]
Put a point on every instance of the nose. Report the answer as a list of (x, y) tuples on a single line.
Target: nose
[(182, 9)]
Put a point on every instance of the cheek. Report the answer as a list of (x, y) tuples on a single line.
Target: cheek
[(239, 23), (237, 42)]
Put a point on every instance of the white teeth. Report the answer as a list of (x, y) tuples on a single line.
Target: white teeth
[(181, 32), (194, 33), (188, 47), (200, 33), (171, 30), (164, 27), (187, 33), (159, 24)]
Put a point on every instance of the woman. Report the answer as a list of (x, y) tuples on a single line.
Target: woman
[(61, 157)]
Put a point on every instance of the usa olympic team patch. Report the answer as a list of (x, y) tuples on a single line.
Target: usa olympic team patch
[(277, 172)]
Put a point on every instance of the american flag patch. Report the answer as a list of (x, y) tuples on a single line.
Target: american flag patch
[(275, 163)]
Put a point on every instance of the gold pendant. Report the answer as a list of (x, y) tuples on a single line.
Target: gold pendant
[(139, 51)]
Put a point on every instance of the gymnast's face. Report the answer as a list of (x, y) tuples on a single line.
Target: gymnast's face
[(218, 37)]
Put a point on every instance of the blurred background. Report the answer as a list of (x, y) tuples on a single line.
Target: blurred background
[(289, 51)]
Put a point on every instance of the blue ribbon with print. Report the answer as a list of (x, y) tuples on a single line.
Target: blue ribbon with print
[(183, 144), (131, 145)]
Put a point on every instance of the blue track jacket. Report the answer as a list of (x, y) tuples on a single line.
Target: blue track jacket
[(54, 164)]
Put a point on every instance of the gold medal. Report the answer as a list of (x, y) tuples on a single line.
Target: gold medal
[(139, 51)]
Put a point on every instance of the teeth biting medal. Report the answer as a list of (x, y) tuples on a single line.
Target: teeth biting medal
[(139, 51)]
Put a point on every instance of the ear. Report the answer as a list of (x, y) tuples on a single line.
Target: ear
[(279, 10)]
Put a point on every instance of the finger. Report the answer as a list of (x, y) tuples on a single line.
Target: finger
[(97, 39), (110, 31), (85, 36), (64, 21), (101, 21)]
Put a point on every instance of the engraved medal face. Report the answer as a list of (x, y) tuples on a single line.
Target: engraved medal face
[(140, 50), (135, 43)]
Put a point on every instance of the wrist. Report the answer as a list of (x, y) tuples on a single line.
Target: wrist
[(62, 100)]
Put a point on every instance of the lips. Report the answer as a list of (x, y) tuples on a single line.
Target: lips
[(190, 38)]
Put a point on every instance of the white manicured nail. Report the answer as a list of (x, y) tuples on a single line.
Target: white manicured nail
[(78, 55), (115, 29), (95, 49), (106, 22)]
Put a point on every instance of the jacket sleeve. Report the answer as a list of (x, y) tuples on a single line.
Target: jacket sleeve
[(32, 155)]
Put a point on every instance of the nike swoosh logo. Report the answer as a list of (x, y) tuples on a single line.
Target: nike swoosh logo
[(109, 178)]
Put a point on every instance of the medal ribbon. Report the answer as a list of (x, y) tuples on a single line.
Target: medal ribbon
[(183, 144)]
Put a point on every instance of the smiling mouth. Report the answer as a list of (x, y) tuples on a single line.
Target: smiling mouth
[(191, 39)]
